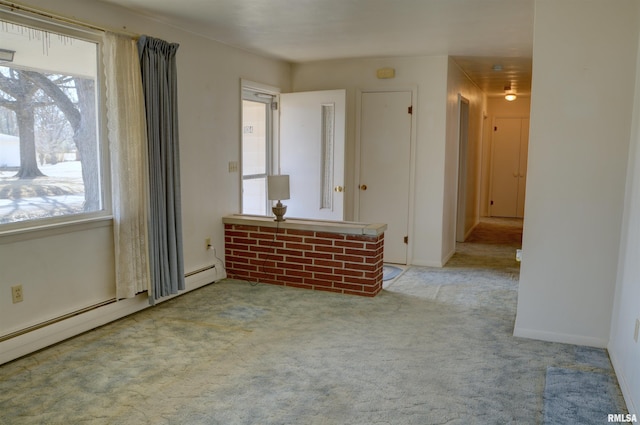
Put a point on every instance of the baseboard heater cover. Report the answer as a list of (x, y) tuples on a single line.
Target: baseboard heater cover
[(82, 311)]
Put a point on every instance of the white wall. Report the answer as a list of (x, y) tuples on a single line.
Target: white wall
[(64, 273), (583, 71), (623, 349), (429, 75), (459, 84)]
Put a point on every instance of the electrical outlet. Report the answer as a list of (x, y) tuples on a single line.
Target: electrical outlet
[(233, 166), (16, 294), (635, 332), (207, 244)]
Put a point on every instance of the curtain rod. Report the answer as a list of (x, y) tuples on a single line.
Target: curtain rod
[(61, 19)]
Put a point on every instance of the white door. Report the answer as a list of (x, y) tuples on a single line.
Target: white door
[(312, 137), (508, 167), (384, 158)]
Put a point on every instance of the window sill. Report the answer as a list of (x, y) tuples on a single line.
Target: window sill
[(47, 230)]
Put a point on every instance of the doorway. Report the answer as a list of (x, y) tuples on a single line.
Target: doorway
[(463, 150), (312, 152)]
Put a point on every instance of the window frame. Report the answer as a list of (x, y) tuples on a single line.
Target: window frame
[(268, 95), (71, 222)]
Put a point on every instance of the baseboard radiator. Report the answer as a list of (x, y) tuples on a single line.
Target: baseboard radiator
[(84, 310)]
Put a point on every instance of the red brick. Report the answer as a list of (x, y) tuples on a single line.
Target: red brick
[(261, 249), (345, 272), (299, 232), (349, 258), (348, 286), (332, 249), (271, 243), (320, 283), (244, 241), (360, 281), (320, 255), (315, 269), (237, 259), (361, 266), (298, 273), (358, 293), (300, 260), (290, 265), (299, 247), (350, 244), (287, 238), (329, 277), (259, 235), (362, 252), (236, 247), (373, 275), (246, 267), (327, 263), (264, 229), (372, 289), (246, 254), (319, 241)]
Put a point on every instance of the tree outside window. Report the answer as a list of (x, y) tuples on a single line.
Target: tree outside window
[(49, 147)]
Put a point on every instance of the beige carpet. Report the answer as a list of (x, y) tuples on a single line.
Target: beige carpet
[(434, 347)]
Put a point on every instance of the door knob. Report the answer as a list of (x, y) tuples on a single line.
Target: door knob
[(338, 188), (363, 187)]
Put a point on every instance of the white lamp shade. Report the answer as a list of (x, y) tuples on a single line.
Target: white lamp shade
[(278, 187)]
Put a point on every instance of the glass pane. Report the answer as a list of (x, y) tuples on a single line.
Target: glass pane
[(326, 170), (49, 156), (254, 138), (254, 196)]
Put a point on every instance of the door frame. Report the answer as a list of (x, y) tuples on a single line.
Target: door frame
[(273, 154), (462, 172), (412, 161)]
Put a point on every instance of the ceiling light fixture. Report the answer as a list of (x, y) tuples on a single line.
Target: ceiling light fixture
[(509, 95)]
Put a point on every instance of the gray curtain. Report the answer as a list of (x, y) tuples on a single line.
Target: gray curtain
[(159, 81)]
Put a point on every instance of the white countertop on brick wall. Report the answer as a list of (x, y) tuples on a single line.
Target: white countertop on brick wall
[(342, 227)]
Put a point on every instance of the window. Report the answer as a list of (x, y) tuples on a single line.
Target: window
[(51, 162), (257, 136)]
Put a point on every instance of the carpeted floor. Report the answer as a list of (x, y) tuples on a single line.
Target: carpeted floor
[(434, 347)]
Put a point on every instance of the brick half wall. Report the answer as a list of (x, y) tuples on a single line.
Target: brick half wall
[(344, 263)]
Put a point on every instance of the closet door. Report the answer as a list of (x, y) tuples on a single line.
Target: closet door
[(509, 167)]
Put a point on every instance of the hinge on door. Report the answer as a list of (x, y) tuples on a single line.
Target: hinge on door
[(274, 106), (410, 109), (406, 239)]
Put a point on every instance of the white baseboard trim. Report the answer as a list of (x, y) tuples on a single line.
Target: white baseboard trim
[(38, 339), (470, 231), (624, 385), (558, 337)]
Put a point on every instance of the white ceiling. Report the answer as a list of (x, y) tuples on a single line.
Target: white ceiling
[(477, 33)]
